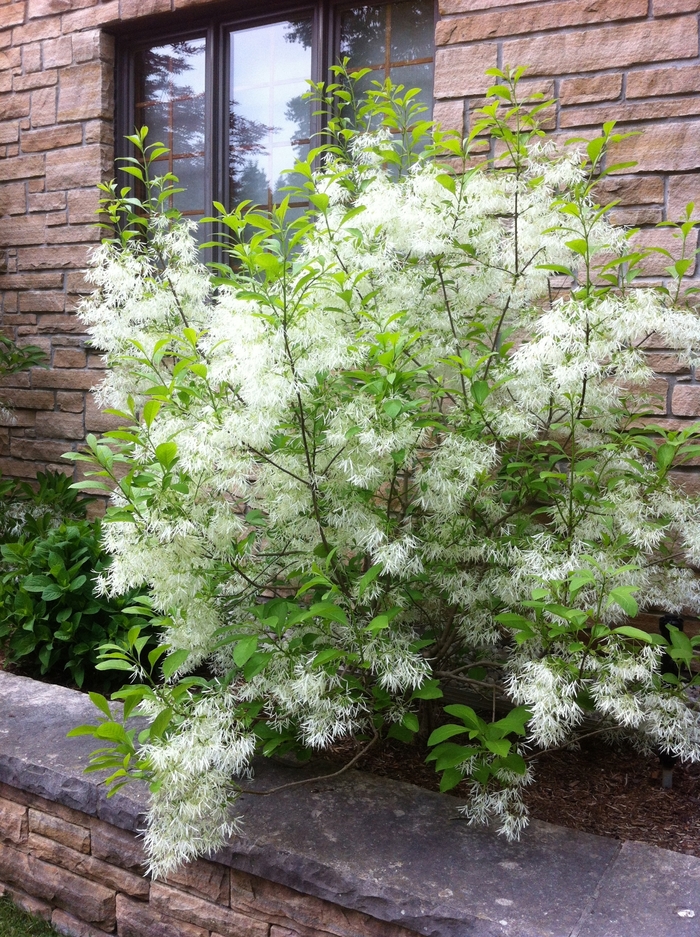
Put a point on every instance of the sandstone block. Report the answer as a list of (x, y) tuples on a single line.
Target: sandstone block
[(135, 919), (686, 400), (185, 907), (689, 481), (85, 91), (13, 199), (208, 879), (36, 141), (47, 201), (13, 821), (681, 191), (96, 421), (646, 110), (73, 168), (450, 115), (52, 258), (21, 167), (680, 79), (38, 450), (30, 281), (552, 15), (460, 71), (32, 80), (12, 14), (96, 15), (131, 9), (14, 105), (93, 902), (117, 846), (43, 107), (87, 867), (69, 834), (69, 358), (666, 363), (58, 52), (471, 6), (31, 400), (668, 7), (627, 44), (635, 217), (669, 147), (59, 425), (656, 263), (42, 301), (585, 90), (70, 402), (73, 927), (631, 190), (23, 229)]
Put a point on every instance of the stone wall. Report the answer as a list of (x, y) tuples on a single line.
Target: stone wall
[(635, 61), (86, 877)]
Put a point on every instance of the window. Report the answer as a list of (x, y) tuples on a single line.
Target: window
[(226, 94)]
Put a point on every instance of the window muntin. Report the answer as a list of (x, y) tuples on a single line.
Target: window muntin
[(227, 101)]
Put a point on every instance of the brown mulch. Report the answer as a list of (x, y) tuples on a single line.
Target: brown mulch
[(598, 789)]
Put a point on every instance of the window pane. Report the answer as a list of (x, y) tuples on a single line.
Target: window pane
[(269, 121), (171, 103), (395, 40)]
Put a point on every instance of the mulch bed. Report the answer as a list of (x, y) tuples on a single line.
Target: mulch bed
[(598, 789)]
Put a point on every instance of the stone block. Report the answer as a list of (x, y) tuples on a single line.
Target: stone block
[(13, 199), (681, 191), (631, 190), (13, 821), (666, 363), (46, 201), (136, 919), (46, 825), (69, 358), (655, 264), (58, 52), (635, 217), (83, 205), (14, 105), (593, 88), (32, 80), (627, 113), (117, 846), (207, 879), (42, 301), (43, 109), (96, 15), (131, 9), (12, 14), (624, 45), (680, 79), (186, 907), (88, 867), (22, 229), (72, 926), (96, 421), (21, 167), (70, 402), (36, 141), (460, 71), (666, 147), (669, 7), (543, 16), (38, 450), (450, 115), (30, 400), (686, 400), (72, 168), (59, 425), (35, 31), (93, 902), (85, 91), (52, 258)]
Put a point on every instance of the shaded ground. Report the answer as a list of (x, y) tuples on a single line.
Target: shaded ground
[(17, 923), (599, 789)]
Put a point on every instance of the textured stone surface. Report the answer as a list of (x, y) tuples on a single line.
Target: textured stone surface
[(13, 822), (208, 879), (136, 919), (205, 914), (643, 895), (69, 834), (58, 887), (88, 867), (73, 927)]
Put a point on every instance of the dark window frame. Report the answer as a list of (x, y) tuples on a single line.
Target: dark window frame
[(214, 22)]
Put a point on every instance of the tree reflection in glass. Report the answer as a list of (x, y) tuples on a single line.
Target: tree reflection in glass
[(270, 123), (395, 41), (171, 83)]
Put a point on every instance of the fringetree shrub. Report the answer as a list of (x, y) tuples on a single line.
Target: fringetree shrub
[(402, 441)]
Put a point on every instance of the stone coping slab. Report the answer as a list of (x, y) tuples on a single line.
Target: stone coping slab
[(386, 848)]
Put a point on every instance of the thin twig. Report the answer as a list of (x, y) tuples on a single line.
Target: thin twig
[(322, 777)]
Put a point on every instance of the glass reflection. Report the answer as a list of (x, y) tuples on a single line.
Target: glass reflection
[(395, 41), (172, 106), (270, 123)]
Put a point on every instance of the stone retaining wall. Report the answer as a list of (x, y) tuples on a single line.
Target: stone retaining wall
[(86, 877)]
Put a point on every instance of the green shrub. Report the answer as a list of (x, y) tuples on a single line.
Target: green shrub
[(27, 511), (51, 619)]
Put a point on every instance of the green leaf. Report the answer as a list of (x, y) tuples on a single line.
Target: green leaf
[(665, 455), (629, 632), (443, 733), (480, 391), (101, 703), (369, 578), (165, 453), (429, 690), (498, 746), (245, 649), (173, 662), (410, 722), (160, 723), (622, 596), (450, 778)]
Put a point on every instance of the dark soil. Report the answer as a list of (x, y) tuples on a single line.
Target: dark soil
[(599, 789)]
